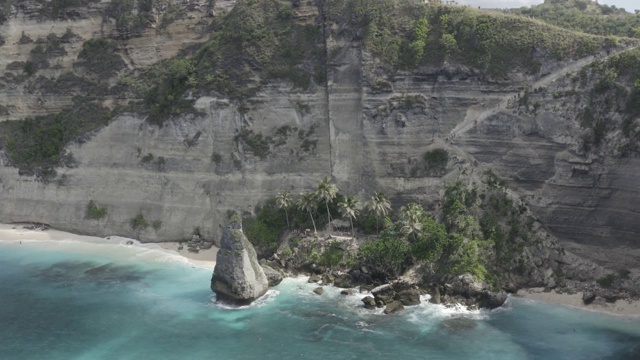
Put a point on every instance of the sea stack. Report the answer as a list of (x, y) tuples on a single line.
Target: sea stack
[(237, 278)]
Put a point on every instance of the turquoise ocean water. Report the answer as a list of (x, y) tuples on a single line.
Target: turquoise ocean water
[(64, 300)]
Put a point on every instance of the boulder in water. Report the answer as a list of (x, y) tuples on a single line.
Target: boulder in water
[(393, 307), (237, 278)]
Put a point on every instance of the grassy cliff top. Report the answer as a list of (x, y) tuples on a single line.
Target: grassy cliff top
[(409, 35), (585, 15)]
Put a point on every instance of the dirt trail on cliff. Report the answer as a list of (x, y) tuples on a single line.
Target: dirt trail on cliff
[(473, 118)]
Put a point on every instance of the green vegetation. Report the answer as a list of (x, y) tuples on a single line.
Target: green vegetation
[(59, 9), (586, 16), (480, 230), (257, 144), (172, 78), (70, 83), (131, 16), (407, 36), (139, 222), (606, 281), (616, 90), (147, 158), (156, 225), (37, 145), (54, 46), (95, 212), (38, 60), (99, 56), (255, 37)]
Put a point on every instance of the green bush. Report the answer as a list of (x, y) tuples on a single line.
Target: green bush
[(265, 229), (606, 281), (100, 57), (386, 257), (94, 212), (139, 222), (257, 144), (436, 159), (37, 145), (332, 255), (156, 225)]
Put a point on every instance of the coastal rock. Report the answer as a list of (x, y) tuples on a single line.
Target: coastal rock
[(344, 281), (273, 277), (314, 278), (319, 290), (435, 298), (465, 289), (588, 297), (327, 279), (409, 297), (393, 307), (237, 278), (348, 292), (491, 300), (369, 302)]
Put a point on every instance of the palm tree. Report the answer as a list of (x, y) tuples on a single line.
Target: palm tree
[(326, 192), (284, 201), (411, 217), (379, 205), (349, 207), (307, 202)]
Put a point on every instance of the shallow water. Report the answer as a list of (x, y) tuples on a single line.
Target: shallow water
[(65, 300)]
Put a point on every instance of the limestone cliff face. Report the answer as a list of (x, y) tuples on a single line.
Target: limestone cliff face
[(367, 127)]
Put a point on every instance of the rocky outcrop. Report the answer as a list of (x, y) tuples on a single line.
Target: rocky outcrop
[(273, 277), (393, 297), (237, 278), (465, 290)]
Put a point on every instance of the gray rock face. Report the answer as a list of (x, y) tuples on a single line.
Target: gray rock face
[(273, 277), (474, 293), (237, 278)]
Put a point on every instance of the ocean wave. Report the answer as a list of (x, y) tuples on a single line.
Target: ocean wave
[(262, 301)]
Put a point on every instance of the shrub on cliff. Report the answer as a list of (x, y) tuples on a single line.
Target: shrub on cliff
[(99, 56), (37, 145), (95, 212)]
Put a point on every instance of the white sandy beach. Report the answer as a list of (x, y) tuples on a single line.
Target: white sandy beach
[(622, 308), (13, 232)]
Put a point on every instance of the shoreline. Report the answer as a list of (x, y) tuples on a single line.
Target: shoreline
[(628, 310), (17, 232), (625, 309)]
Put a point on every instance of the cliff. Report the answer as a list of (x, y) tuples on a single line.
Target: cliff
[(174, 151)]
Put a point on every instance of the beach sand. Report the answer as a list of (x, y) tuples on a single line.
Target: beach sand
[(13, 232), (626, 309)]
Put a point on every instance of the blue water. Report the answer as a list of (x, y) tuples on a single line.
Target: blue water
[(62, 300)]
